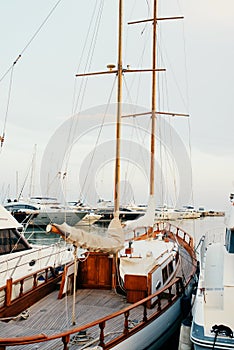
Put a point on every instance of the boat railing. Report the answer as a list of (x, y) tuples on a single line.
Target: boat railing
[(165, 227), (105, 338), (180, 233), (15, 290)]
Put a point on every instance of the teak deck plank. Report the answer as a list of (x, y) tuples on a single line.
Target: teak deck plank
[(53, 315)]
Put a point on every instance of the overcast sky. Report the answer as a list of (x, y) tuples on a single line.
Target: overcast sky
[(41, 98)]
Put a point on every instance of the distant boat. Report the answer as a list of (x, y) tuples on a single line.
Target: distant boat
[(89, 219), (46, 210), (161, 213), (23, 213), (189, 212), (125, 214), (165, 213), (105, 209), (213, 321)]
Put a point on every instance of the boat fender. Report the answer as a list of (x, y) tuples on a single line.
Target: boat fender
[(185, 342)]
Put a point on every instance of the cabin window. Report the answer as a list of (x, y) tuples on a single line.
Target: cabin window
[(11, 241), (164, 274)]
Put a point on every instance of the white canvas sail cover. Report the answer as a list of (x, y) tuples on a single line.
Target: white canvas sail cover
[(93, 242), (147, 220)]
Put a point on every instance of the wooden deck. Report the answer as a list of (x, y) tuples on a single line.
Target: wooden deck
[(53, 315)]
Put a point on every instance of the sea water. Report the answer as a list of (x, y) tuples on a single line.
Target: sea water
[(196, 228)]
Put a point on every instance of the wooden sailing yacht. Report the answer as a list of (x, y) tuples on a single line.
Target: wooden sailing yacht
[(128, 286)]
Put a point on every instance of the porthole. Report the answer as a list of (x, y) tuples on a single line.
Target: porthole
[(32, 262)]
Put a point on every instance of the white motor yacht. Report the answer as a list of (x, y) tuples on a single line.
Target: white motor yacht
[(48, 209), (213, 322)]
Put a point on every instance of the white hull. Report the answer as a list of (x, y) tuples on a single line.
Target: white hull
[(58, 217), (213, 321), (166, 215), (47, 210), (88, 220), (189, 215), (20, 264), (157, 332)]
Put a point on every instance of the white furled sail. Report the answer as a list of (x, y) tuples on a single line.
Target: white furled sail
[(147, 220), (110, 244)]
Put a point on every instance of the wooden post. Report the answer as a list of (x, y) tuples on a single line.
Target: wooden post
[(159, 302), (8, 292), (65, 341), (145, 312), (102, 337), (126, 316), (34, 281), (21, 288)]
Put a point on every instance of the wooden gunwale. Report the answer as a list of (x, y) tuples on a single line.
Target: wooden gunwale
[(146, 320), (161, 303)]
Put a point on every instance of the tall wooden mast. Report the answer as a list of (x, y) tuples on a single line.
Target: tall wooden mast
[(119, 71), (119, 112)]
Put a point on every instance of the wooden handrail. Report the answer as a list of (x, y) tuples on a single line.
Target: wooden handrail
[(9, 284), (102, 322)]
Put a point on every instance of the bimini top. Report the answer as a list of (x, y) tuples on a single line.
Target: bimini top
[(7, 220)]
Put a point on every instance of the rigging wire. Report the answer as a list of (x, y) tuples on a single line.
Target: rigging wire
[(136, 127), (145, 25), (136, 130), (184, 100), (26, 178), (11, 68), (98, 137), (80, 98), (91, 50), (31, 40), (2, 138)]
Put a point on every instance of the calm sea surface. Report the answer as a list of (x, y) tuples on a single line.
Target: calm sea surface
[(196, 228)]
